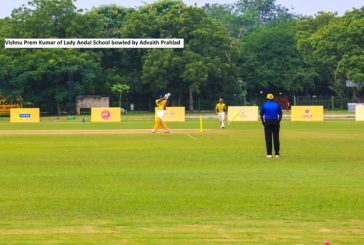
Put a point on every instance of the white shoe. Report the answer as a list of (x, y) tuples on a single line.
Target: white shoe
[(269, 156), (167, 131), (153, 131), (277, 156)]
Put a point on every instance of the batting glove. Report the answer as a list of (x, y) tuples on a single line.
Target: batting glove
[(166, 96)]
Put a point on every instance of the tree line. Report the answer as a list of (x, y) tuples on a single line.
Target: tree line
[(233, 51)]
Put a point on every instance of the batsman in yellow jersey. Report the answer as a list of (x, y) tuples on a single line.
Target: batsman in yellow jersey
[(220, 110), (161, 104)]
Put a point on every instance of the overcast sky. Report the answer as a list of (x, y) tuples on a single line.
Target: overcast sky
[(305, 7)]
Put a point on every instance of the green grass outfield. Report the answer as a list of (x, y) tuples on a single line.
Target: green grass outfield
[(182, 188)]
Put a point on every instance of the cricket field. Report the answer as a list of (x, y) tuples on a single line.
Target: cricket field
[(96, 183)]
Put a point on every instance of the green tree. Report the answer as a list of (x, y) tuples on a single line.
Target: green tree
[(236, 25), (272, 63), (335, 43), (52, 78), (113, 18), (266, 10), (208, 57), (10, 85), (120, 88), (53, 18), (119, 65), (245, 16)]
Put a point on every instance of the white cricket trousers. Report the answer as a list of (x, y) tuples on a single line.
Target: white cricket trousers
[(221, 116), (161, 114)]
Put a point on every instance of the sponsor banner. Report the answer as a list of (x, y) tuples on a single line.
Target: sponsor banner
[(359, 113), (243, 113), (174, 114), (5, 109), (307, 113), (105, 114), (6, 104), (25, 115)]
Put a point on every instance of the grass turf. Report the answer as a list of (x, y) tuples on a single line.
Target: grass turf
[(215, 187)]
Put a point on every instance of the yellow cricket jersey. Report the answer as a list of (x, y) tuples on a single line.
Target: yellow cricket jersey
[(220, 107), (161, 105)]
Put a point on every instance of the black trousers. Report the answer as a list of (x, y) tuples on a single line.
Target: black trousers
[(271, 128)]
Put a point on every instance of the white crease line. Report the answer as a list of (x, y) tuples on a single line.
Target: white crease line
[(191, 137)]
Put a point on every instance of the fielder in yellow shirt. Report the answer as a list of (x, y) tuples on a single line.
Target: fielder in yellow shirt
[(161, 104), (220, 110)]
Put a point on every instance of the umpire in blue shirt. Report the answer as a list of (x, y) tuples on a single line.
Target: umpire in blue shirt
[(271, 116)]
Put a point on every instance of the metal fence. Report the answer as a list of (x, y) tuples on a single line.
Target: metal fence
[(329, 102), (326, 101)]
